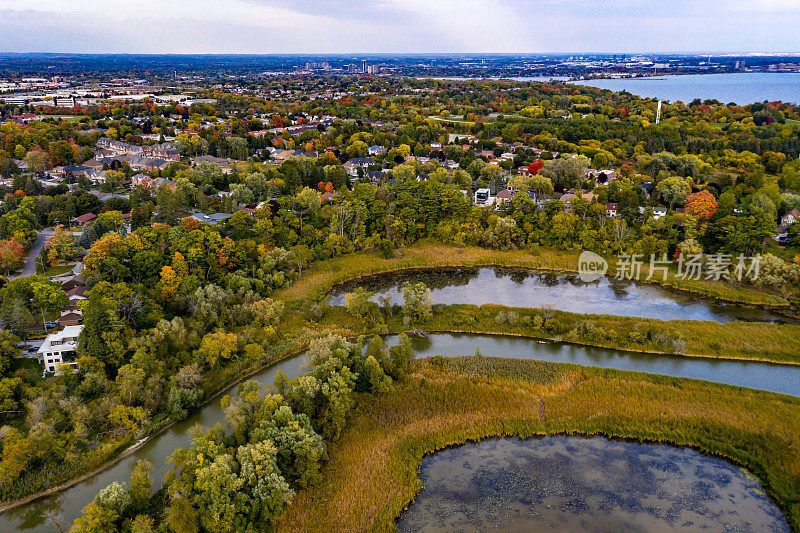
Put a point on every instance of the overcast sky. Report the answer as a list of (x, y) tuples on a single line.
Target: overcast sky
[(351, 26)]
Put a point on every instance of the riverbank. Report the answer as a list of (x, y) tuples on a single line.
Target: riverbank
[(372, 474), (321, 277), (750, 341)]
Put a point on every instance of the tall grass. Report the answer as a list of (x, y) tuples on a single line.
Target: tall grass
[(372, 473)]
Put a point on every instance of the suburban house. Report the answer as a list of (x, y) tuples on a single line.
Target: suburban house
[(59, 348), (352, 166), (212, 219), (70, 318), (790, 218), (658, 212), (84, 220), (483, 197), (504, 197), (376, 150), (611, 209)]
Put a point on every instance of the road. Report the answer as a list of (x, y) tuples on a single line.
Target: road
[(30, 264)]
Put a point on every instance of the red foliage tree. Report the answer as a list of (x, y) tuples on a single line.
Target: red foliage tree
[(535, 167)]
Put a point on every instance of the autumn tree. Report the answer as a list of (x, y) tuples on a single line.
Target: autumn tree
[(60, 246), (701, 205), (11, 254)]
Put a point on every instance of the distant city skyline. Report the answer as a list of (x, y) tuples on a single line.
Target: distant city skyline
[(399, 26)]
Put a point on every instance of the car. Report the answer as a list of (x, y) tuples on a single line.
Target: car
[(51, 324)]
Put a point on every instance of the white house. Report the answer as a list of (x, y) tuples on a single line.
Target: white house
[(484, 197), (60, 348)]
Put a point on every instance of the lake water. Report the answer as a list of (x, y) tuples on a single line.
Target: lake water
[(740, 88), (564, 292), (585, 484), (67, 506)]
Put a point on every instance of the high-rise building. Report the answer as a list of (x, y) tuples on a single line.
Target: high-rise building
[(363, 65)]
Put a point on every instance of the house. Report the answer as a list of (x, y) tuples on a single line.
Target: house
[(212, 219), (600, 176), (376, 150), (84, 220), (790, 218), (483, 197), (76, 293), (73, 282), (504, 197), (611, 209), (70, 318), (658, 212), (60, 348), (352, 166), (224, 163), (140, 180)]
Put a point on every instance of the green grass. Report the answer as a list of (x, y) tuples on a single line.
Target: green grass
[(372, 472)]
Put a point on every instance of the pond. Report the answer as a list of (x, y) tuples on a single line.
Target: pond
[(563, 292), (585, 484), (67, 505)]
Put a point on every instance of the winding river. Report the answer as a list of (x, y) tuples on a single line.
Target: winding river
[(563, 292), (66, 506), (563, 483)]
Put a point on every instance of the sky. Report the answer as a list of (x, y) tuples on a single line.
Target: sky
[(399, 26)]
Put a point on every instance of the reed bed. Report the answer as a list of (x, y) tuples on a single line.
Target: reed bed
[(372, 475)]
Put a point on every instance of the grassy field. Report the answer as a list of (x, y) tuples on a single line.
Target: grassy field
[(323, 276), (372, 473)]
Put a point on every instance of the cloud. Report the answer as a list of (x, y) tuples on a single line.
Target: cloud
[(330, 26)]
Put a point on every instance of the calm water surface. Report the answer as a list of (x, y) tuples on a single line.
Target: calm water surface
[(578, 484), (739, 88), (564, 292), (765, 376)]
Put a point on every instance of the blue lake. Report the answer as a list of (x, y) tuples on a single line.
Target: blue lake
[(740, 88)]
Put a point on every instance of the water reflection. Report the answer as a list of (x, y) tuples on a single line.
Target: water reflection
[(565, 292), (756, 375), (578, 484)]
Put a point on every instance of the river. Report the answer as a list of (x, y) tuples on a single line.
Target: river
[(563, 483), (564, 292), (67, 506)]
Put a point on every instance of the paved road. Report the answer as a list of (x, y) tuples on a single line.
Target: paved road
[(30, 264)]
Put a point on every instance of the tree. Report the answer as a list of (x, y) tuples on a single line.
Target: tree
[(37, 160), (182, 517), (359, 304), (701, 205), (215, 346), (566, 172), (417, 301), (306, 202), (60, 246), (47, 296), (169, 283), (673, 190), (11, 254), (8, 349), (234, 492)]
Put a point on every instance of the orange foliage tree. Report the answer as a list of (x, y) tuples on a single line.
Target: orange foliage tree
[(701, 205)]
